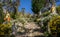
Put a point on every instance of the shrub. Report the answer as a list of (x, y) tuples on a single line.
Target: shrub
[(54, 24), (5, 29), (58, 9), (45, 14)]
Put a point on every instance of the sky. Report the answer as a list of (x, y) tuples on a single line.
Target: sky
[(58, 3), (27, 5)]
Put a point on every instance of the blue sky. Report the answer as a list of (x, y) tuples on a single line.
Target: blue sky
[(27, 5), (58, 3)]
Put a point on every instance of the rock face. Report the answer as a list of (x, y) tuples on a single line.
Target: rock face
[(28, 25), (31, 25), (27, 29)]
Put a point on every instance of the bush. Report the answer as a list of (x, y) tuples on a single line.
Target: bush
[(54, 24), (45, 14), (58, 9), (5, 29), (1, 14)]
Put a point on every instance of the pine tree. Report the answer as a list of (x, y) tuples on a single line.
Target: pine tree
[(37, 5)]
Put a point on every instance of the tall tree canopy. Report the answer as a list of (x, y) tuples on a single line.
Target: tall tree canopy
[(37, 5), (10, 5)]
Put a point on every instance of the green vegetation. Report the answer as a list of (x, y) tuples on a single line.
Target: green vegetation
[(49, 20), (1, 14), (5, 29), (37, 5), (55, 23), (58, 9)]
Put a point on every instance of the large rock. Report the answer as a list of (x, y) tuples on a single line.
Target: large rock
[(31, 25)]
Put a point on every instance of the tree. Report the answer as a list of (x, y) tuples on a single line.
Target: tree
[(53, 3), (37, 5), (58, 9), (1, 14), (11, 5), (53, 8), (54, 25), (15, 6)]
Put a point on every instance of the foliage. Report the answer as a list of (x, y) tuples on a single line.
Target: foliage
[(45, 14), (11, 6), (23, 17), (14, 5), (54, 24), (44, 17), (5, 29), (37, 5), (58, 9), (1, 14)]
